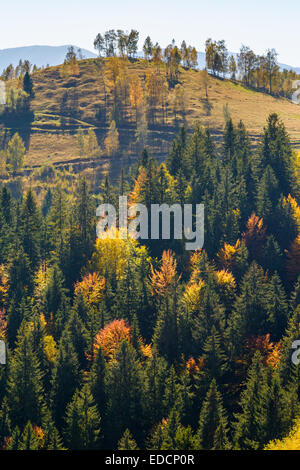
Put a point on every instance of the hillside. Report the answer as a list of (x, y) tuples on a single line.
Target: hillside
[(63, 103)]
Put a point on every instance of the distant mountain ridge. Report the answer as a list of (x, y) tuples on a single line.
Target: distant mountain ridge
[(55, 55), (38, 55)]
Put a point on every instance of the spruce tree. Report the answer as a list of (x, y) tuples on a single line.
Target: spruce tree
[(127, 442), (125, 408), (82, 427), (212, 421), (66, 378), (25, 394)]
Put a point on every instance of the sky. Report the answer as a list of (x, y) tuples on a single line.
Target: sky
[(259, 24)]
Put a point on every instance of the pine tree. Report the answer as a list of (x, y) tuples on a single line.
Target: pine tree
[(267, 197), (82, 422), (52, 439), (25, 394), (126, 395), (127, 442), (30, 229), (97, 382), (28, 85), (275, 150), (47, 202), (248, 428), (29, 440), (212, 431), (66, 378), (176, 158), (250, 316), (155, 380), (216, 360), (5, 423), (229, 141), (278, 308)]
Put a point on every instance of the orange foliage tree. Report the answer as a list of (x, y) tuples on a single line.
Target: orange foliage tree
[(269, 351), (162, 279), (255, 234), (111, 336)]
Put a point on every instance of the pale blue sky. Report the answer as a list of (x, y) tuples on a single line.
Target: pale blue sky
[(261, 24)]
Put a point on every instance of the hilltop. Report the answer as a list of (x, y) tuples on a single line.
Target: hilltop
[(63, 103)]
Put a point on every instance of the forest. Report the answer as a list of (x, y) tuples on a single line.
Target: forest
[(123, 344)]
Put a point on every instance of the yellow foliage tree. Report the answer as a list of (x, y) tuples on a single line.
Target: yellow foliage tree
[(136, 95), (295, 209), (193, 295), (92, 288), (111, 141), (40, 281), (291, 442), (225, 278), (111, 254), (50, 349)]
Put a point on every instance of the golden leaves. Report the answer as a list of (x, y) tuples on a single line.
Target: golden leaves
[(295, 209), (225, 279), (193, 295), (50, 349), (163, 278), (140, 184), (92, 288), (136, 94), (291, 442), (40, 281), (227, 254), (109, 256)]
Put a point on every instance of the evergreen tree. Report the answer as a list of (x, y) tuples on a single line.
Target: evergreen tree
[(212, 431), (126, 395), (66, 378), (82, 422), (248, 428), (127, 442), (29, 440), (28, 85), (30, 229), (25, 394)]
